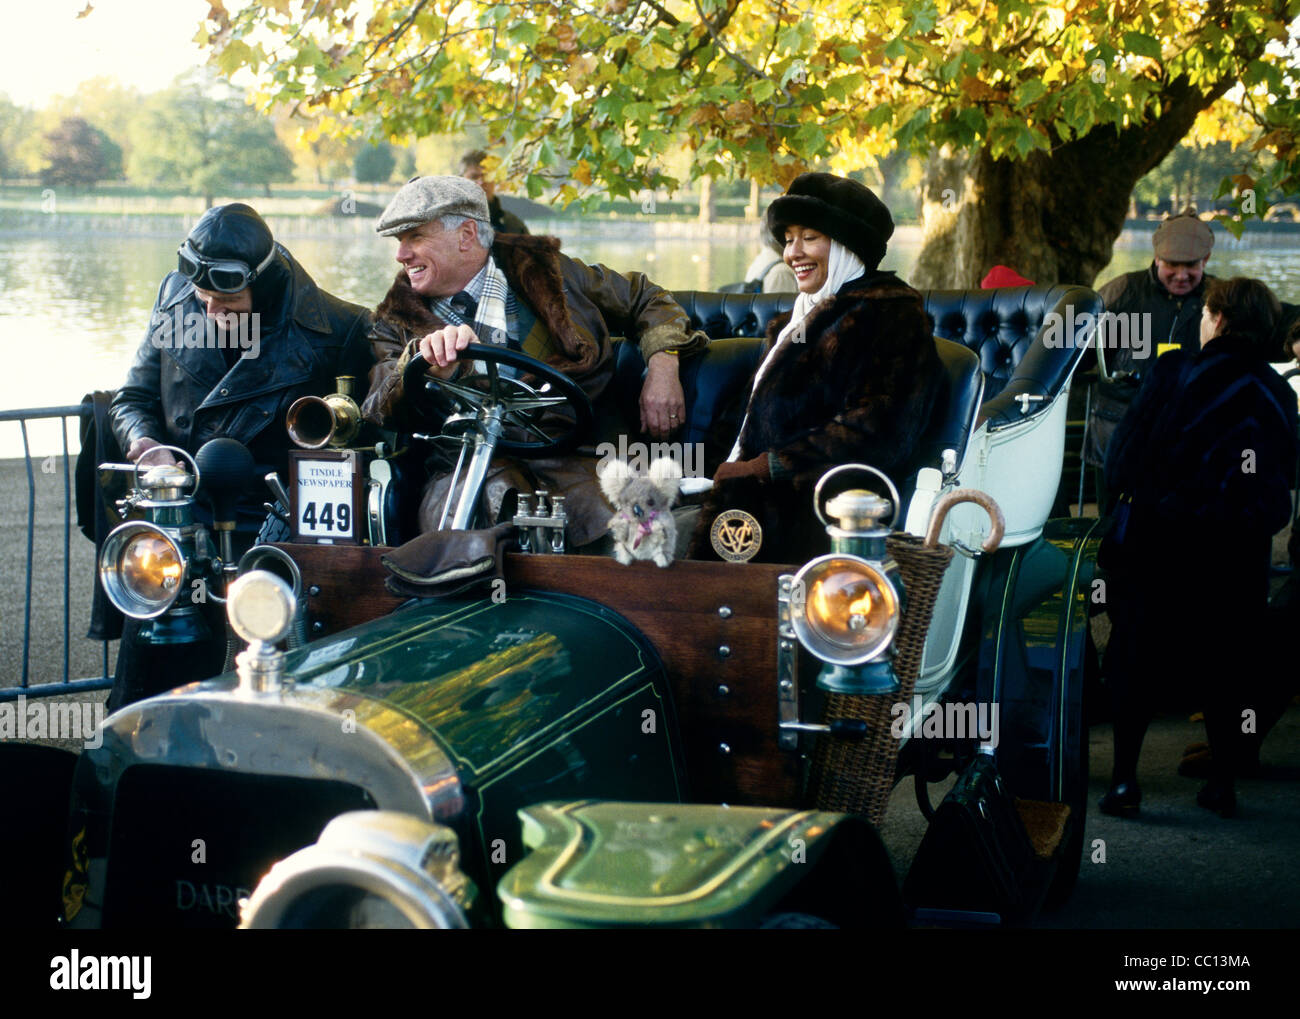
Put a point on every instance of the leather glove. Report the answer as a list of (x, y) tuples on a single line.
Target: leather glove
[(757, 468)]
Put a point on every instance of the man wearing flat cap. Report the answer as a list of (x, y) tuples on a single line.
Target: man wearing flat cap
[(1170, 292), (461, 283)]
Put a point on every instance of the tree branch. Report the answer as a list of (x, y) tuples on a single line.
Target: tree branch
[(717, 41), (399, 31), (667, 17)]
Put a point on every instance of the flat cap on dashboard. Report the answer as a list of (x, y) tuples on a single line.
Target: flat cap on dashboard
[(423, 199)]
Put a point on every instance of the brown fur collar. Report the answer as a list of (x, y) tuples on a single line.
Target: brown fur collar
[(882, 286), (867, 353), (531, 265)]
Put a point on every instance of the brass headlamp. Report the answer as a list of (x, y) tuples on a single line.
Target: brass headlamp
[(146, 564), (845, 606)]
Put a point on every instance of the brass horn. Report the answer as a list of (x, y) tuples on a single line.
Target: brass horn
[(315, 422)]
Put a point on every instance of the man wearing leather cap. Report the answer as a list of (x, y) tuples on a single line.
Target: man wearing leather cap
[(1169, 291), (238, 332), (460, 284)]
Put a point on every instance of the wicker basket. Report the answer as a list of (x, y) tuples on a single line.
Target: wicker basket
[(857, 776)]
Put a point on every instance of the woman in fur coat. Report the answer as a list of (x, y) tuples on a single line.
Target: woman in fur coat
[(849, 376)]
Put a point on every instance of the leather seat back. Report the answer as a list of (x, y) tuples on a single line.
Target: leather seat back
[(1001, 326), (722, 315), (1028, 340), (955, 405)]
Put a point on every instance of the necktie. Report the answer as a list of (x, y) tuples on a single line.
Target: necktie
[(465, 305)]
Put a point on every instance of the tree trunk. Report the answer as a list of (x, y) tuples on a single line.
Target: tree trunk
[(1052, 217), (707, 210), (207, 201), (751, 207)]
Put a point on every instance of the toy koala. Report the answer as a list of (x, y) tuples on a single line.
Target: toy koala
[(643, 526)]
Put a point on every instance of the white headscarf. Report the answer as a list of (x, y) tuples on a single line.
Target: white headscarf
[(842, 266)]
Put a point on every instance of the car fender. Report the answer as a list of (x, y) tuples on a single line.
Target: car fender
[(616, 864)]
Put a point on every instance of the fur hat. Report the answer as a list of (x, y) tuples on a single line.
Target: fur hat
[(842, 209)]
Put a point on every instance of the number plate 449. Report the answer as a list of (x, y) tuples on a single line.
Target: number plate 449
[(325, 489)]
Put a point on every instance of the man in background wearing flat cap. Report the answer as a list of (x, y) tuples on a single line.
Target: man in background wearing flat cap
[(1170, 292), (460, 284), (503, 221)]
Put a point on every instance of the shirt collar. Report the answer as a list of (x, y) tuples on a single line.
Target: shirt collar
[(475, 286)]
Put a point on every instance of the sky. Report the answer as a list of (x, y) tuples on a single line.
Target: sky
[(46, 50)]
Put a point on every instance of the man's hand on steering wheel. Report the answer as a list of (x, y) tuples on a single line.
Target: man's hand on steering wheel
[(507, 408), (441, 347)]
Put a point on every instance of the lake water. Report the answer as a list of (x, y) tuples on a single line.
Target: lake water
[(76, 292)]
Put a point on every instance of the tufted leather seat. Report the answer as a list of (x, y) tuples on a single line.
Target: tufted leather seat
[(720, 314), (1018, 355)]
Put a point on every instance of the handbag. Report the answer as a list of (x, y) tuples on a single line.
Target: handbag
[(96, 515), (976, 855)]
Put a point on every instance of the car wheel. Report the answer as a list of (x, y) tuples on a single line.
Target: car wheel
[(1067, 871)]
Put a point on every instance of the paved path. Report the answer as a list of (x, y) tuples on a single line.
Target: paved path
[(85, 657)]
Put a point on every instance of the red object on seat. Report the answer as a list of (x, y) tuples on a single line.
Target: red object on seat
[(1001, 276)]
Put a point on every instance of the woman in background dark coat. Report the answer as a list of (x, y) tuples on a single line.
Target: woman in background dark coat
[(849, 376), (1206, 456)]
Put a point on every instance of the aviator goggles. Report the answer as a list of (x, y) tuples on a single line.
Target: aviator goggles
[(226, 276)]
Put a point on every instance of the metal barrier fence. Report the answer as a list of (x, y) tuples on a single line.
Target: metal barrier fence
[(67, 684)]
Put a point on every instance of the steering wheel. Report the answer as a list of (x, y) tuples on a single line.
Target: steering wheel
[(509, 401)]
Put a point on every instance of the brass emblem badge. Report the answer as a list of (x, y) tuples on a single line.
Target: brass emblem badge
[(736, 536)]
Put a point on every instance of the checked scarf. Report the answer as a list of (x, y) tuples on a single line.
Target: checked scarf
[(490, 319), (499, 310)]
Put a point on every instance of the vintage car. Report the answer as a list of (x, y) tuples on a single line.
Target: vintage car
[(593, 744)]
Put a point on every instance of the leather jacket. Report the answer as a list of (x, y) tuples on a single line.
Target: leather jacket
[(582, 307), (185, 395), (503, 221)]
